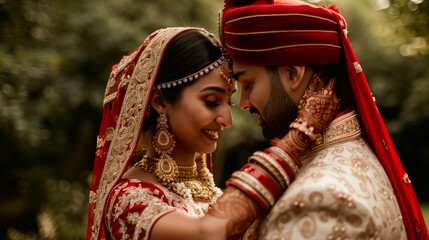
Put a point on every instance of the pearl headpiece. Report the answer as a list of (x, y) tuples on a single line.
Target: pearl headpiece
[(193, 76)]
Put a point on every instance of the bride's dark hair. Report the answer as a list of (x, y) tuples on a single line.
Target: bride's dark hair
[(188, 53)]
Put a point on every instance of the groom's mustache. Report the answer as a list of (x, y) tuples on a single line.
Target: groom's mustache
[(254, 110)]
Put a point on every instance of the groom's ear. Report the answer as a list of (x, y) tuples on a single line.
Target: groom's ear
[(295, 79), (294, 75), (157, 101)]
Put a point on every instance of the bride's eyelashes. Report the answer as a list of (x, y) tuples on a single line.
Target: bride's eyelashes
[(211, 103), (212, 100), (215, 101), (215, 104)]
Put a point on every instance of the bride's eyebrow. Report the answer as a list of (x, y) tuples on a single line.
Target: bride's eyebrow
[(217, 89)]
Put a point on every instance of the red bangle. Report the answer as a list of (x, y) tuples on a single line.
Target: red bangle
[(277, 142), (285, 157), (285, 177), (275, 171), (282, 163), (248, 190), (263, 178)]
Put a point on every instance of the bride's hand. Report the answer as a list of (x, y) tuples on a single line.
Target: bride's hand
[(316, 109)]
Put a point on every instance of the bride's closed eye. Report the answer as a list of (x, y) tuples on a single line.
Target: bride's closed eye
[(211, 103)]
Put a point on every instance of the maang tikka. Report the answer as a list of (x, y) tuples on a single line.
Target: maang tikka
[(163, 144)]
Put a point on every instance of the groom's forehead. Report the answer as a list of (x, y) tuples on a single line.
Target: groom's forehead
[(247, 70)]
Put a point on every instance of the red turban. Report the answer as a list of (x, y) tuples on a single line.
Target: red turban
[(282, 33), (291, 32)]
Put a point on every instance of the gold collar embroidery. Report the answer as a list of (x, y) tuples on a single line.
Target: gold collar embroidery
[(342, 129)]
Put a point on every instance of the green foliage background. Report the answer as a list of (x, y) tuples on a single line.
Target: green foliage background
[(55, 58)]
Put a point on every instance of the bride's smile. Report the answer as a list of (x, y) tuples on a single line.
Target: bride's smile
[(201, 113)]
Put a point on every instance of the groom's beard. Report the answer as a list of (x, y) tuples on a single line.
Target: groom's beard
[(279, 111)]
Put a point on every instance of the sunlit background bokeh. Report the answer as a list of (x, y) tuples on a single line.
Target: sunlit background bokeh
[(56, 56)]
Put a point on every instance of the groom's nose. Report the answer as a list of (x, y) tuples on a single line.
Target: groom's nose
[(244, 102)]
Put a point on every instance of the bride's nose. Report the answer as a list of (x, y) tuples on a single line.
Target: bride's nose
[(224, 117)]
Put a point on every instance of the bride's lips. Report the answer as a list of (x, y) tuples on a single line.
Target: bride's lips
[(211, 134)]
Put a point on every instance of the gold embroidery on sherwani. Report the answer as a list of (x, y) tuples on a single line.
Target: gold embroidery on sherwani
[(124, 139), (342, 192)]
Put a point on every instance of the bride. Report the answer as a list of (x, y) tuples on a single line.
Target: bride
[(164, 107)]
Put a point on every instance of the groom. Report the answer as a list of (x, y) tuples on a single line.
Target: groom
[(352, 184)]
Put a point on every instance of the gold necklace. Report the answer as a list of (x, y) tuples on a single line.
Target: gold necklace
[(201, 185)]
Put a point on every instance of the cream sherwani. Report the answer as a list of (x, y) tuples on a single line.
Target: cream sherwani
[(342, 192)]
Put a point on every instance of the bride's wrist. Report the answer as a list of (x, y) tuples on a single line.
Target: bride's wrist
[(295, 142), (268, 173)]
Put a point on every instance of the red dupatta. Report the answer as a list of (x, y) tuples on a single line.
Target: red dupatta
[(125, 105), (381, 142)]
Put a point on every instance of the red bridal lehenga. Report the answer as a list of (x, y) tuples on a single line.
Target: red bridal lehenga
[(128, 208)]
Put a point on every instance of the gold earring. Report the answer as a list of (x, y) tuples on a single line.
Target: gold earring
[(163, 143)]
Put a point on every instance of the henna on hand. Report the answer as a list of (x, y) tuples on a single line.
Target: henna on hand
[(295, 143), (238, 209), (317, 109)]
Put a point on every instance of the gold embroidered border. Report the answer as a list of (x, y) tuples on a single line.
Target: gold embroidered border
[(344, 128), (280, 31), (109, 98), (112, 78), (284, 47), (281, 15), (130, 119)]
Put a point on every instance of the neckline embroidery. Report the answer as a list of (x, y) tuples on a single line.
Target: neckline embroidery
[(341, 129)]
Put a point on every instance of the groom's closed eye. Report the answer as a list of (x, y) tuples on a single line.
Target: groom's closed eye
[(238, 74)]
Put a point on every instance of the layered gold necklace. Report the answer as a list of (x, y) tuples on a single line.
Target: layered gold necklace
[(200, 183)]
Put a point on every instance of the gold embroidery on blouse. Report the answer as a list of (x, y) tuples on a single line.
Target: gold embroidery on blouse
[(155, 207)]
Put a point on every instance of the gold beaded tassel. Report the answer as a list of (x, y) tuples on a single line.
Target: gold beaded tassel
[(226, 68)]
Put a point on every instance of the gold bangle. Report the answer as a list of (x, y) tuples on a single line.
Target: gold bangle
[(276, 165), (256, 185), (268, 174), (248, 190), (286, 158), (302, 128), (270, 168)]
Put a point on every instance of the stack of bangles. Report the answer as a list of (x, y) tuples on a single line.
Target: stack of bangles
[(266, 175)]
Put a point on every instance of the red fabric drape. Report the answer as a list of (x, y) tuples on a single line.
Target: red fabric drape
[(382, 144)]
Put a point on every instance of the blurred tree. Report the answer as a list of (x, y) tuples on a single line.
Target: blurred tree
[(406, 30)]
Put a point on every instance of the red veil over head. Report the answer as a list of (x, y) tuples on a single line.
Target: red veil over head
[(292, 32), (125, 105)]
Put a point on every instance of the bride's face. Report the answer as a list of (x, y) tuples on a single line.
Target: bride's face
[(201, 113)]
